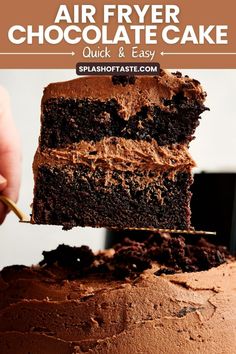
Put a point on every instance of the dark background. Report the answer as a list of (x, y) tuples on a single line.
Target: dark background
[(213, 208)]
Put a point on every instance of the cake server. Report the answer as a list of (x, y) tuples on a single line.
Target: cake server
[(170, 231), (25, 219), (11, 205)]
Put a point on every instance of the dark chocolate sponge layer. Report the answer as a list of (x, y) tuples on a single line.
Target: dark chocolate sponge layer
[(78, 197), (66, 121)]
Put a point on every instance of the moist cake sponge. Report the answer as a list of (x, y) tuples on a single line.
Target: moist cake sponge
[(164, 107), (113, 183), (113, 152)]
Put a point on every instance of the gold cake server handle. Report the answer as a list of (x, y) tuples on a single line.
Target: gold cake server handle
[(169, 231), (25, 219), (13, 207)]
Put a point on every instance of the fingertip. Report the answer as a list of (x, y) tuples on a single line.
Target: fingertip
[(3, 183)]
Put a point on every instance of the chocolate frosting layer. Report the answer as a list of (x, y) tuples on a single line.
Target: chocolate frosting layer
[(41, 309), (119, 154), (146, 91)]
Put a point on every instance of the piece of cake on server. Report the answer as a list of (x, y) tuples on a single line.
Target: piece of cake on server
[(113, 152)]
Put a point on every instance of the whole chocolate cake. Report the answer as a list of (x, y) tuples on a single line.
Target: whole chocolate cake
[(165, 295), (113, 152)]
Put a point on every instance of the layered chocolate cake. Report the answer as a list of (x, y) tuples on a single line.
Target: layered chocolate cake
[(113, 152), (165, 295)]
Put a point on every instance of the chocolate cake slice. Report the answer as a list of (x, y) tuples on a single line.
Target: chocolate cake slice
[(114, 153), (164, 107)]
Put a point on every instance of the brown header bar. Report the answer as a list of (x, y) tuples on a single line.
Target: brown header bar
[(60, 34)]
